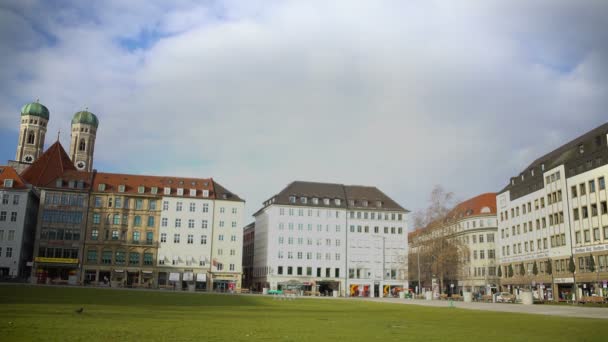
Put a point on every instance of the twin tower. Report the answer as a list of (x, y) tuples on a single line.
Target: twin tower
[(34, 120)]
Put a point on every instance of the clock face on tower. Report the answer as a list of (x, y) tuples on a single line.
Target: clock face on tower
[(80, 165), (28, 158)]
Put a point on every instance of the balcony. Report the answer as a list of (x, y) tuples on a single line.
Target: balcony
[(143, 243)]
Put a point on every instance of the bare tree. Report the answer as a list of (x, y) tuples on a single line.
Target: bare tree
[(439, 250)]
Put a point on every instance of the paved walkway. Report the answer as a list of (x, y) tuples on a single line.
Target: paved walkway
[(538, 309)]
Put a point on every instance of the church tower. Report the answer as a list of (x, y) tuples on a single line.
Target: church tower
[(34, 118), (82, 140)]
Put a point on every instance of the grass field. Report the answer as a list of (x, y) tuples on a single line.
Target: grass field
[(30, 313)]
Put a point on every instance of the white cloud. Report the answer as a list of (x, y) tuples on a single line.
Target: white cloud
[(401, 95)]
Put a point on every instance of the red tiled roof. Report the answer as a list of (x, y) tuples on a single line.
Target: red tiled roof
[(470, 207), (475, 205), (52, 164), (133, 182), (7, 172)]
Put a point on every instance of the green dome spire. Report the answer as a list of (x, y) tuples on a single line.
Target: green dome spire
[(35, 109), (85, 117)]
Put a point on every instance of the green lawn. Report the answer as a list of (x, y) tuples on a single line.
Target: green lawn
[(48, 314)]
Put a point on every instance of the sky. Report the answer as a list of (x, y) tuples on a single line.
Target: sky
[(402, 95)]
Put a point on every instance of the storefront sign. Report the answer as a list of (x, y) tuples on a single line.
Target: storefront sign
[(591, 249), (563, 280), (56, 260)]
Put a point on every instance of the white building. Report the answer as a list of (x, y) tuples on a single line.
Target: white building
[(320, 237), (552, 209), (198, 223), (18, 211)]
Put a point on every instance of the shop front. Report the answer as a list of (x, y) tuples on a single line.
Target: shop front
[(56, 271), (225, 282), (360, 290)]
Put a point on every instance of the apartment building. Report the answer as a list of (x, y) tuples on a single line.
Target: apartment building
[(18, 212), (472, 227), (321, 238), (551, 211)]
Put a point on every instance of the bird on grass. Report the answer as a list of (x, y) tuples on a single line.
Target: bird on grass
[(79, 311)]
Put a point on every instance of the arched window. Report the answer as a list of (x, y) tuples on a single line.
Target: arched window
[(82, 145), (30, 137)]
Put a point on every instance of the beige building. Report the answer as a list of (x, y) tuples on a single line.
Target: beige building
[(472, 225), (121, 240)]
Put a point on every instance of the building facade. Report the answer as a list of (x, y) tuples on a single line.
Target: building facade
[(18, 212), (472, 227), (552, 212), (248, 247), (121, 241), (316, 237)]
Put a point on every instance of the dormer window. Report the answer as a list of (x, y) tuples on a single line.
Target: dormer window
[(8, 183), (205, 193), (315, 200), (167, 191), (513, 181), (351, 203), (292, 199), (121, 188), (542, 167), (326, 201), (581, 148), (141, 189), (154, 190), (304, 200), (532, 172), (337, 201), (71, 184), (379, 204), (80, 184), (193, 192), (101, 187), (180, 191), (364, 203), (59, 183)]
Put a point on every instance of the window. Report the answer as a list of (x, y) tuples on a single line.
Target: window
[(582, 189), (136, 236), (94, 234), (148, 258), (119, 258), (203, 239), (165, 205), (178, 206), (137, 220), (92, 256), (587, 235), (164, 222), (204, 224), (139, 204), (601, 183), (205, 207), (596, 234), (175, 238), (163, 237), (115, 235), (190, 223), (178, 223), (192, 207), (190, 239), (585, 212), (592, 186), (14, 216)]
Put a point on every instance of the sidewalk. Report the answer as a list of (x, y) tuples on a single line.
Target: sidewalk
[(538, 309)]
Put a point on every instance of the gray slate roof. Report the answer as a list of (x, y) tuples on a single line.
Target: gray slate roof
[(350, 196)]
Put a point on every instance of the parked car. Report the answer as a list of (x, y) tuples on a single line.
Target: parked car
[(505, 297)]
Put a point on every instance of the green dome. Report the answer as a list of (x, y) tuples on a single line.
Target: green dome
[(85, 117), (35, 109)]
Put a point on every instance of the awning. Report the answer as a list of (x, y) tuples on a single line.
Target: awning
[(201, 277), (146, 272), (188, 276), (173, 276)]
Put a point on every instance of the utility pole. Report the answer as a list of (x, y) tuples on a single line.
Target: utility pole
[(418, 255)]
